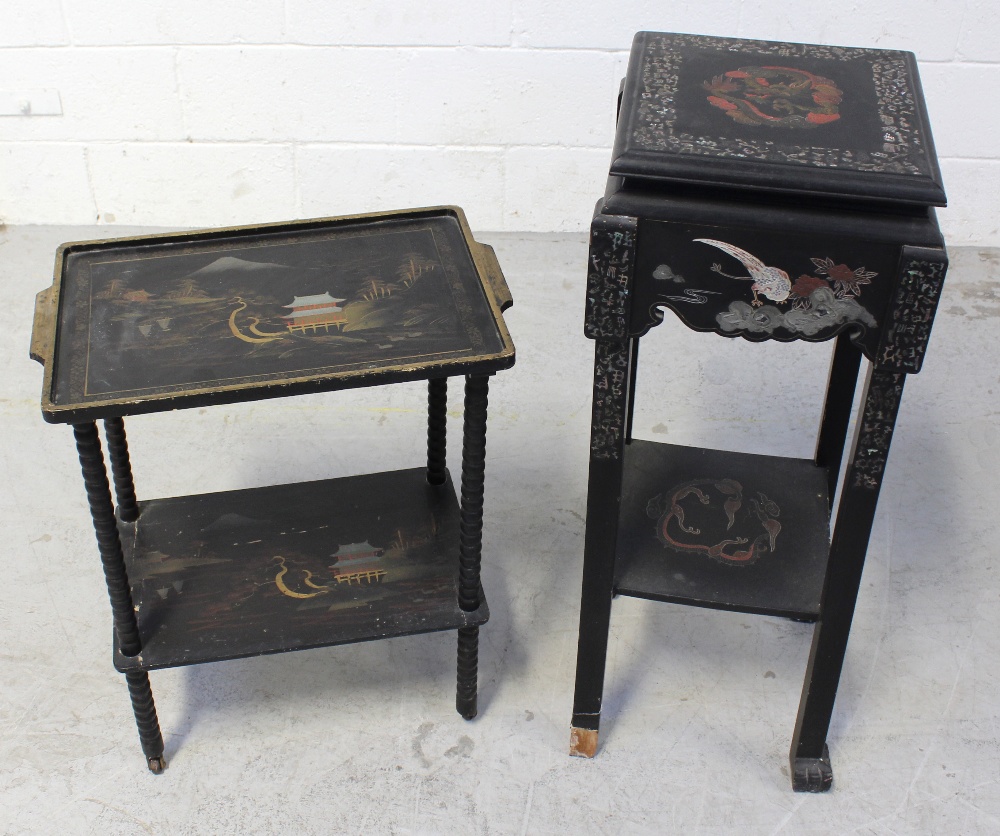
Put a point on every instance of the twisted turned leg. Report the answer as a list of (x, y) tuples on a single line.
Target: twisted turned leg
[(95, 478), (121, 469), (471, 548), (437, 430)]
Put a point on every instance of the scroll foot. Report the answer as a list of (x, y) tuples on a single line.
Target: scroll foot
[(812, 774)]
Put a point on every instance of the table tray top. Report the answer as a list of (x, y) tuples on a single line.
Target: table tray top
[(218, 316), (841, 122)]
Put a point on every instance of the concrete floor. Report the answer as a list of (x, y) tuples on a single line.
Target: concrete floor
[(699, 705)]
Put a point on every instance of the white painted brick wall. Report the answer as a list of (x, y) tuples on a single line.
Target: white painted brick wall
[(173, 22), (344, 180), (205, 185), (192, 113), (108, 94)]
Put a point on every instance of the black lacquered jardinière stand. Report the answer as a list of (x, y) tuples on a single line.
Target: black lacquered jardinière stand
[(768, 191), (157, 323)]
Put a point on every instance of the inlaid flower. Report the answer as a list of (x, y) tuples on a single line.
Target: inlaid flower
[(846, 282), (803, 288), (805, 285)]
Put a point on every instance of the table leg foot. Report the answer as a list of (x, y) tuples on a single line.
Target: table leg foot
[(582, 742), (466, 700), (812, 774), (146, 720)]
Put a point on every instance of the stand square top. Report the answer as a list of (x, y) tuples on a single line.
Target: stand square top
[(148, 324), (840, 122)]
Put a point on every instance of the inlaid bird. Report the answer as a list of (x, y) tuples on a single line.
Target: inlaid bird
[(773, 282)]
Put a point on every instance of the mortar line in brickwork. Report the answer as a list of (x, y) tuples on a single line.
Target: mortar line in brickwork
[(296, 180), (284, 143), (245, 46), (66, 22), (90, 180)]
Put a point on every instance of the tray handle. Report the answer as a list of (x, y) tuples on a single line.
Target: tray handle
[(43, 326), (496, 284)]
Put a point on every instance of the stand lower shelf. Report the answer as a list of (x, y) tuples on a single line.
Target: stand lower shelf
[(729, 531), (290, 567)]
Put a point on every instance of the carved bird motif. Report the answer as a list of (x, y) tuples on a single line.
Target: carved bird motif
[(773, 282)]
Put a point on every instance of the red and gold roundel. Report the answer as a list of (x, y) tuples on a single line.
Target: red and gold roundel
[(778, 97)]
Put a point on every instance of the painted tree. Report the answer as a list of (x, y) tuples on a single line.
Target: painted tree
[(188, 290), (375, 288), (413, 267), (114, 289)]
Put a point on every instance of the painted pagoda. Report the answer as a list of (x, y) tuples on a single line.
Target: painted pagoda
[(310, 313), (357, 563)]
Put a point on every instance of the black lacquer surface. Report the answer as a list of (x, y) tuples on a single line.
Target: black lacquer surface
[(774, 116), (769, 191), (696, 528), (228, 315), (289, 567)]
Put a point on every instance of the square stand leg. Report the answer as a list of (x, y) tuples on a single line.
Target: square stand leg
[(614, 372), (810, 757), (842, 382)]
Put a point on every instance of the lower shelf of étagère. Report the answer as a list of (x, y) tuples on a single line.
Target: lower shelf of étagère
[(730, 531), (290, 567)]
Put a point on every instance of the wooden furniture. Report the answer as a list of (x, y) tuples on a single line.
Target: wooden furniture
[(140, 325), (765, 191)]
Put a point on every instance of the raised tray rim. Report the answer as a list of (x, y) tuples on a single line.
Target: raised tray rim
[(44, 340)]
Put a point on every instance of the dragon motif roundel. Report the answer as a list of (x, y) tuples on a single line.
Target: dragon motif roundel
[(775, 97), (715, 519)]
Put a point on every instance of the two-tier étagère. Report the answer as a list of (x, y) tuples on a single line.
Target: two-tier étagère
[(156, 323)]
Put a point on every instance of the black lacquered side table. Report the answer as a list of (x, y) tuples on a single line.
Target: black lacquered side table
[(768, 191), (140, 325)]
